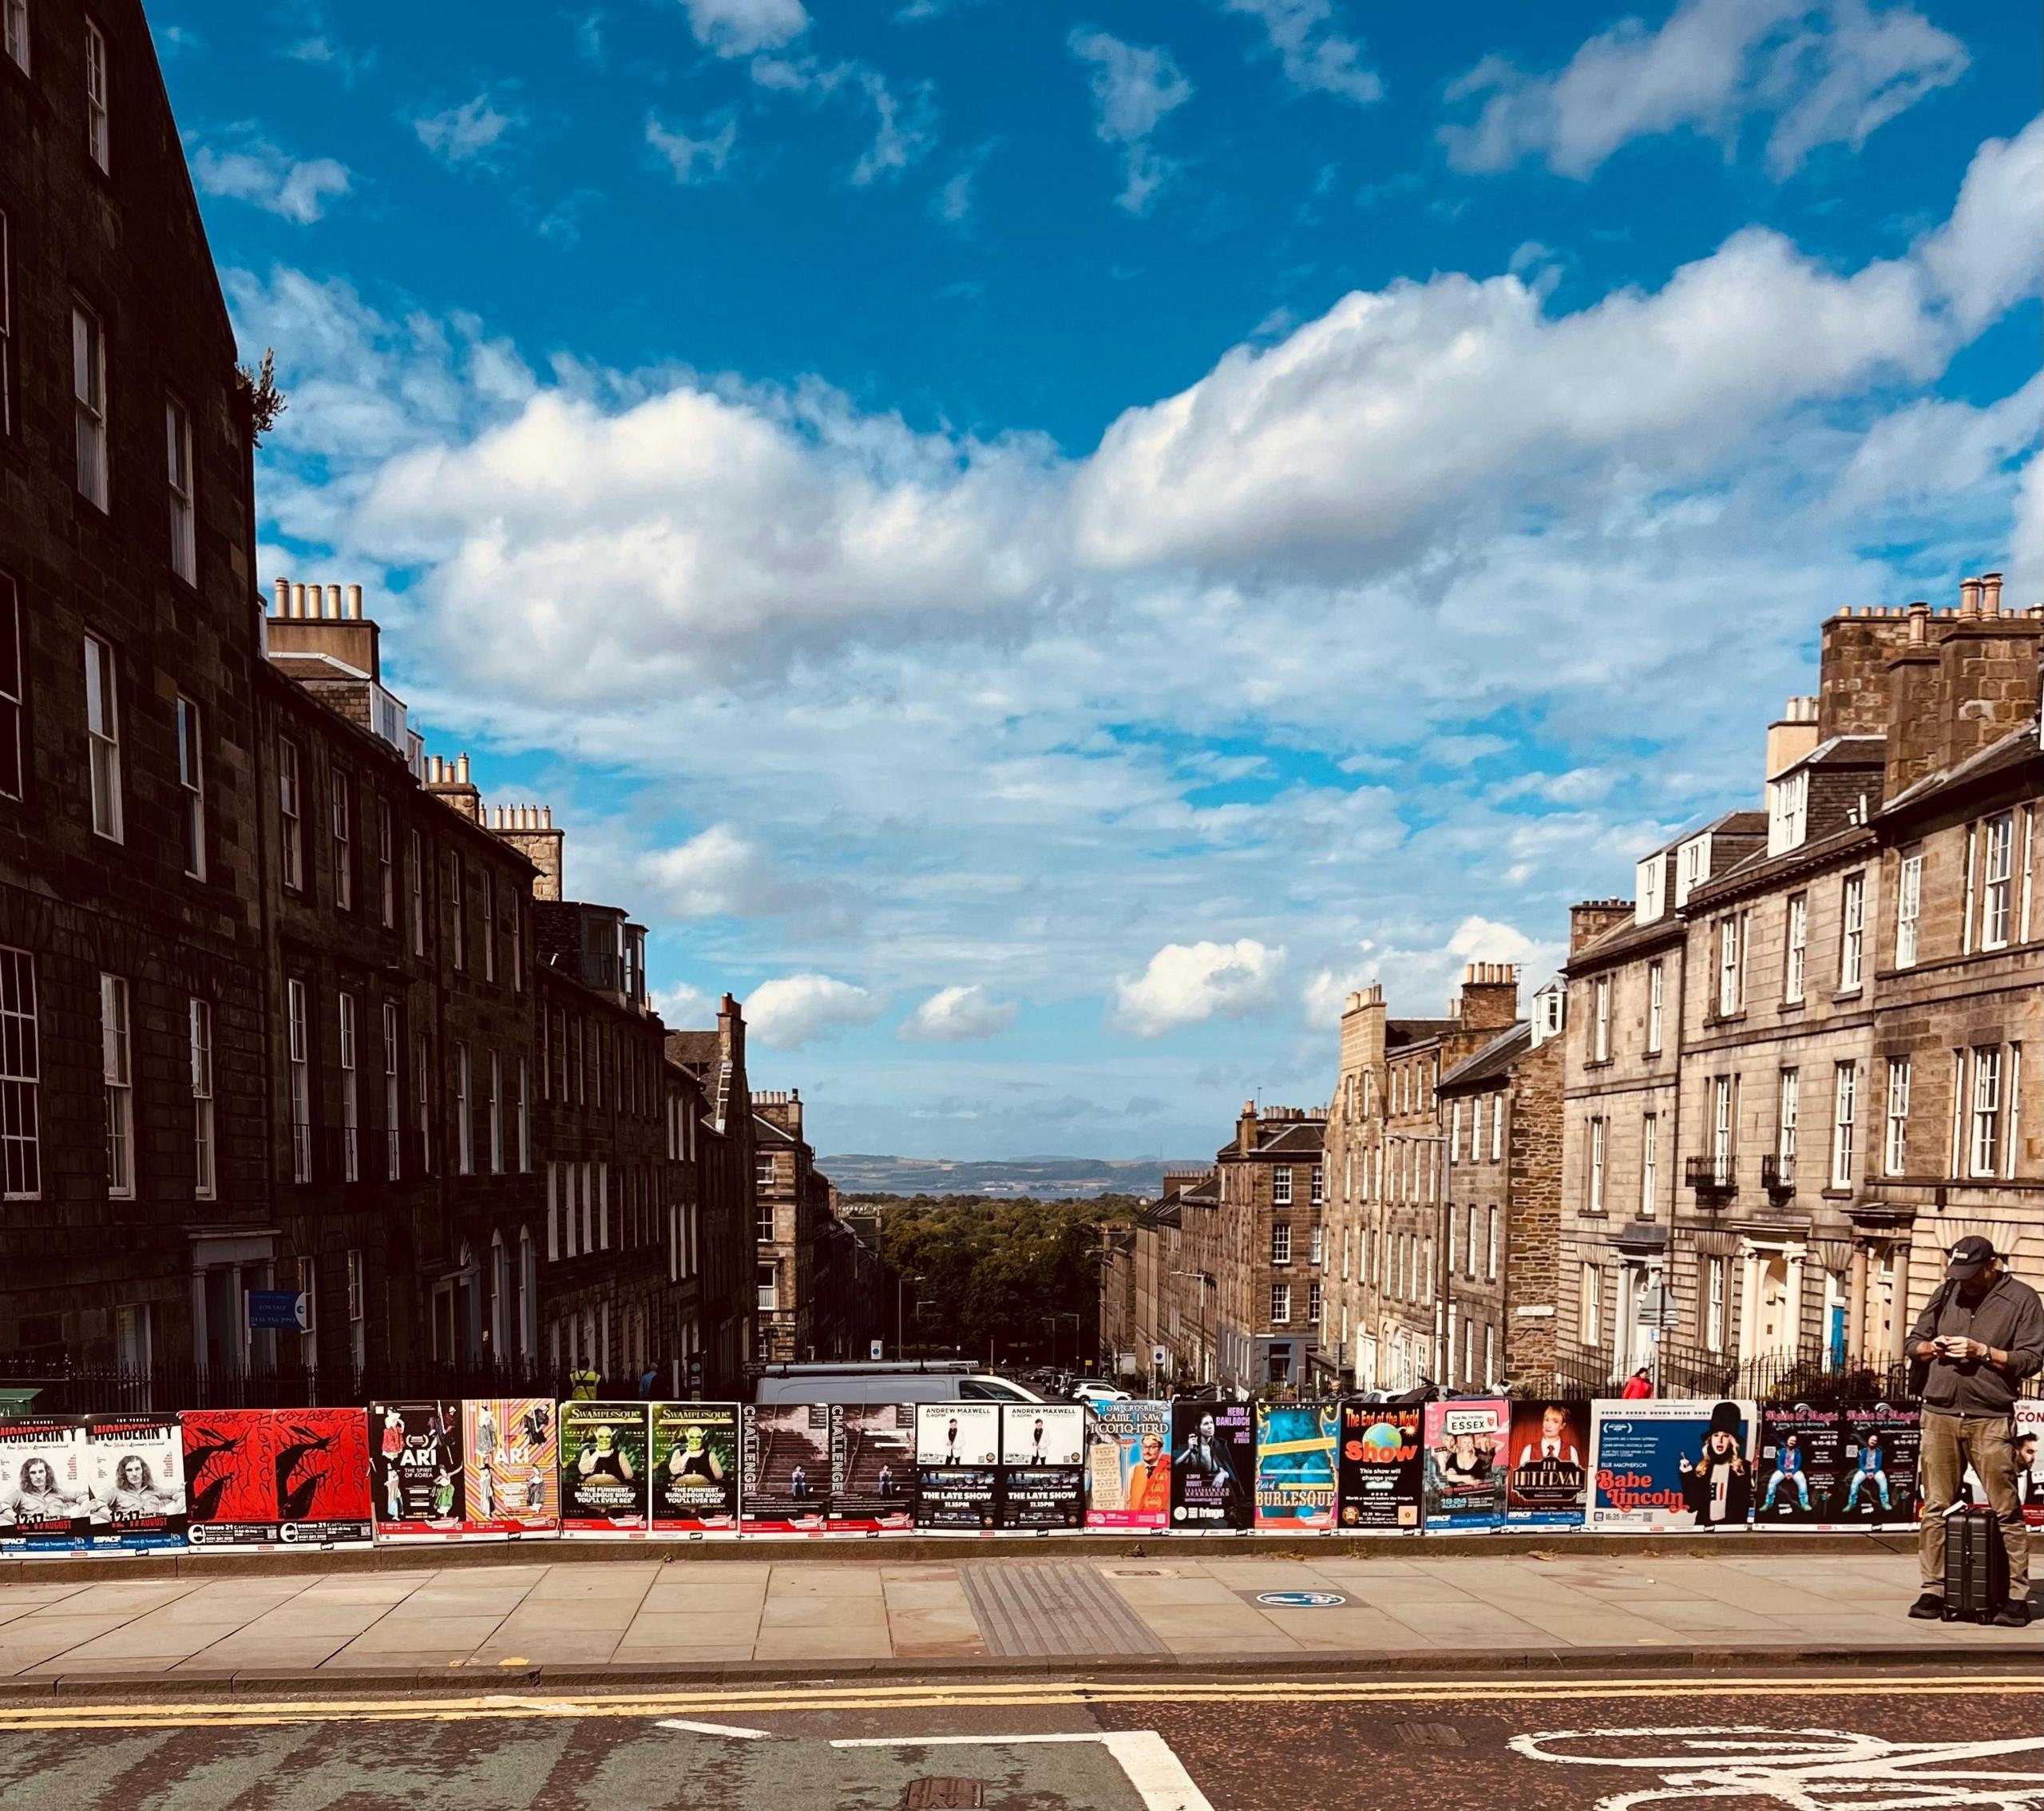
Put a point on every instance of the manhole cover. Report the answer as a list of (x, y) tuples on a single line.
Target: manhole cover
[(942, 1793), (1429, 1735), (1137, 1572)]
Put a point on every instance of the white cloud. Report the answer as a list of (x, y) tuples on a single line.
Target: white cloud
[(683, 1007), (1134, 87), (741, 27), (693, 160), (1317, 57), (797, 1009), (1826, 71), (1185, 983), (903, 129), (249, 168), (717, 873), (468, 133), (956, 1015), (1985, 257)]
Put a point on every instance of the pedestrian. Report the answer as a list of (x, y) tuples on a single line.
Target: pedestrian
[(1639, 1386), (1979, 1337)]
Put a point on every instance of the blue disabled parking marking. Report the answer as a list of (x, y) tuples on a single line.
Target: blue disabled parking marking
[(1302, 1599)]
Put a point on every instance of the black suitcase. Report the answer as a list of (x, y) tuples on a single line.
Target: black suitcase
[(1976, 1565)]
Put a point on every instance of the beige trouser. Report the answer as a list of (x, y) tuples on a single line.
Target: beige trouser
[(1949, 1442)]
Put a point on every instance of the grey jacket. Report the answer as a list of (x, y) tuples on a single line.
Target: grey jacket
[(2010, 1317)]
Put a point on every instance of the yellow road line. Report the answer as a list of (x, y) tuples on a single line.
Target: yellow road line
[(1022, 1694)]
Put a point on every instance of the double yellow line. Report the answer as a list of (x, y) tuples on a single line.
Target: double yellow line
[(1019, 1695)]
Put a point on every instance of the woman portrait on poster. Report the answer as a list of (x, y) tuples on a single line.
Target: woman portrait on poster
[(1716, 1488)]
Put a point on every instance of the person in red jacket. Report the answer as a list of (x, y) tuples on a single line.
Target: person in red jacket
[(1639, 1386)]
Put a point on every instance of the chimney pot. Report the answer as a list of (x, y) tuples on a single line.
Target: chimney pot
[(549, 818), (354, 602), (1990, 594), (298, 600), (282, 591), (1969, 597), (333, 602), (461, 767)]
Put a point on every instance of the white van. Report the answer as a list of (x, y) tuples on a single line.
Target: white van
[(936, 1380)]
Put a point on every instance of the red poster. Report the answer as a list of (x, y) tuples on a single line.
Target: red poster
[(286, 1477)]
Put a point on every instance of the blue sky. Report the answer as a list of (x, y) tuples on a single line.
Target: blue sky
[(1039, 544)]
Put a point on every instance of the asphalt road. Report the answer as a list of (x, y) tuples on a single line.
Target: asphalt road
[(1553, 1743)]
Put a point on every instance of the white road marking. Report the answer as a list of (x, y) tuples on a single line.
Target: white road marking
[(1803, 1769), (1157, 1775), (712, 1728)]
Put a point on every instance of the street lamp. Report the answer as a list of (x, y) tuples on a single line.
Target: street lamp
[(1053, 1320), (1204, 1279), (900, 1282)]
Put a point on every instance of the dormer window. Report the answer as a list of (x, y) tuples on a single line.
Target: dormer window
[(1650, 889), (1692, 867), (1788, 811)]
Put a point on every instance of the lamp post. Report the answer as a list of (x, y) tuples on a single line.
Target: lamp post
[(900, 1282), (1064, 1315), (1203, 1279)]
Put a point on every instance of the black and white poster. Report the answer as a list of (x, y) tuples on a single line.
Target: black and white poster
[(1043, 1461), (1213, 1466), (138, 1481), (957, 1466)]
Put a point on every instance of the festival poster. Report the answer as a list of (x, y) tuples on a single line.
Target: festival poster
[(1547, 1481), (1659, 1466), (416, 1472), (957, 1466), (786, 1468), (1128, 1466), (1876, 1482), (603, 1467), (695, 1467), (267, 1477), (511, 1454), (1381, 1466), (1213, 1466), (1797, 1470), (46, 1502), (873, 1467), (138, 1481), (1463, 1492), (1295, 1466), (2030, 1460), (1043, 1465)]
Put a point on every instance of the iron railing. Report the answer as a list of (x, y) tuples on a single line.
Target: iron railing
[(70, 1389), (1814, 1374)]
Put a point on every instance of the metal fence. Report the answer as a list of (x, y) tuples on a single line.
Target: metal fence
[(1815, 1374), (66, 1390)]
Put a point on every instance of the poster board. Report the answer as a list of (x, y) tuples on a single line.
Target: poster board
[(603, 1468), (2030, 1460), (1213, 1467), (1878, 1445), (957, 1466), (137, 1471), (1463, 1492), (786, 1468), (1546, 1482), (1661, 1465), (272, 1477), (46, 1500), (511, 1461), (1295, 1484), (1796, 1473), (694, 1451), (1128, 1469), (873, 1467), (1043, 1465), (1380, 1466), (419, 1483)]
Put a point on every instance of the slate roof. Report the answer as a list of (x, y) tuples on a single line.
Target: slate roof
[(1494, 1060)]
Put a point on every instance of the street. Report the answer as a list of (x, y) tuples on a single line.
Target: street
[(1916, 1739)]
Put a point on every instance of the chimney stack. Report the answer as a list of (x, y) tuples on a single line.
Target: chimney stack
[(1590, 920), (530, 830)]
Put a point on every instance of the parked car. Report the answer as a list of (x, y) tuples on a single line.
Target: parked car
[(1093, 1391), (936, 1380)]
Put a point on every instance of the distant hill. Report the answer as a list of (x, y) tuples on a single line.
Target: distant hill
[(1047, 1178)]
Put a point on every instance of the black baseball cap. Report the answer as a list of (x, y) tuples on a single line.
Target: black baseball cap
[(1969, 1257)]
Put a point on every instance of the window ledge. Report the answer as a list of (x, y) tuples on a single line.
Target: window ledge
[(1848, 993)]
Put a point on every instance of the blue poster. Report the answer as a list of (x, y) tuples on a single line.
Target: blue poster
[(1657, 1466), (1295, 1465)]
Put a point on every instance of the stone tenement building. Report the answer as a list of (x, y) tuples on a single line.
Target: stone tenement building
[(1387, 1137), (711, 1171), (817, 1280), (1158, 1278), (133, 1058), (1796, 1061), (1270, 1184)]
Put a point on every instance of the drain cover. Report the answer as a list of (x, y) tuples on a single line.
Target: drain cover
[(1430, 1735), (942, 1791)]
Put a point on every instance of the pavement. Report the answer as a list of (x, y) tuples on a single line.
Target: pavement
[(1812, 1741), (817, 1613)]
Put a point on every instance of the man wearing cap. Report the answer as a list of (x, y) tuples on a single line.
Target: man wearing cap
[(1980, 1335)]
